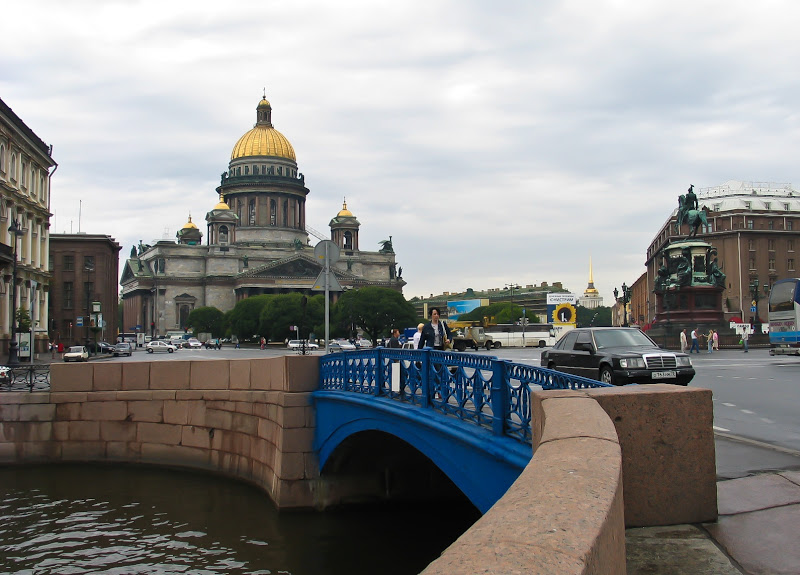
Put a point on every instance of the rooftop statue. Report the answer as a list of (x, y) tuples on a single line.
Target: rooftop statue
[(386, 246), (688, 212)]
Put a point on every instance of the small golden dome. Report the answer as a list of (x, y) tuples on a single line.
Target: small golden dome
[(189, 225), (264, 102), (344, 212), (222, 205)]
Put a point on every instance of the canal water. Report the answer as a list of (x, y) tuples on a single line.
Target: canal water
[(76, 519)]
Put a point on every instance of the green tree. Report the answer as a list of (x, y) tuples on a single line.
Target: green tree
[(244, 320), (206, 320), (23, 320), (600, 316), (375, 310), (285, 310)]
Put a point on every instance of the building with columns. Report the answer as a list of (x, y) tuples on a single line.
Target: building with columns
[(256, 242), (25, 173), (591, 298)]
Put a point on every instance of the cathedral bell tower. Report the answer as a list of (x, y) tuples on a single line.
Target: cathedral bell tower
[(344, 229)]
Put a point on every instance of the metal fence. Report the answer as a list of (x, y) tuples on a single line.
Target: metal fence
[(26, 377), (489, 392)]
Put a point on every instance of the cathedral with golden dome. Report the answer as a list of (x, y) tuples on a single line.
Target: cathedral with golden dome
[(256, 242)]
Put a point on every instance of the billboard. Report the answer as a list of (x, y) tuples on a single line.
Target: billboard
[(456, 308), (561, 308)]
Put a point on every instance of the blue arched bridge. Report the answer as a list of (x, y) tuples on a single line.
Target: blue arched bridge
[(468, 414)]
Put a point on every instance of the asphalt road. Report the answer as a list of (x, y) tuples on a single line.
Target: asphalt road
[(756, 400)]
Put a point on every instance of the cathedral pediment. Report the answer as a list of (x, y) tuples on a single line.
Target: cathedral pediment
[(297, 266)]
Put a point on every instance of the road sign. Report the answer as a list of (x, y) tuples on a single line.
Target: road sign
[(333, 283), (79, 321), (753, 309), (328, 251)]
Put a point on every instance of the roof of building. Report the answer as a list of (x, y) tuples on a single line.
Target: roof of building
[(263, 139)]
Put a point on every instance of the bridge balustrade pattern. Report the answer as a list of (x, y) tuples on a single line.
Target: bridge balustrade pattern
[(484, 390)]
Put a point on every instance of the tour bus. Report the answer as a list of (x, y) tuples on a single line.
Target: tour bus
[(513, 335), (784, 317)]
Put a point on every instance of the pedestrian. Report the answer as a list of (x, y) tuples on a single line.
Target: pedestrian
[(716, 341), (710, 342), (394, 341), (684, 343), (52, 350), (418, 335), (435, 334), (219, 344), (745, 337), (263, 343), (695, 342)]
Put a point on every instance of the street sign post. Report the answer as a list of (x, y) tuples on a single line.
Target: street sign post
[(328, 252)]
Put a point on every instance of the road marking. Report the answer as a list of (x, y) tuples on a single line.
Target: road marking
[(766, 420), (720, 429), (729, 404), (755, 442), (747, 411)]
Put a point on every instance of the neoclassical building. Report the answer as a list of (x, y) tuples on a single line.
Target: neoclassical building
[(256, 242), (25, 164)]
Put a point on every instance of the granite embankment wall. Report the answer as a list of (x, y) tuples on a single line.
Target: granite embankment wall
[(604, 459), (251, 419)]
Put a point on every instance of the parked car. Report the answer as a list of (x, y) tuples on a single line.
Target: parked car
[(363, 344), (334, 347), (101, 347), (617, 355), (123, 348), (345, 345), (298, 343), (159, 345), (192, 343), (77, 353)]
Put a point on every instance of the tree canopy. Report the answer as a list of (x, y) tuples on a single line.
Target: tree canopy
[(207, 320), (375, 310), (244, 318), (284, 310), (600, 316)]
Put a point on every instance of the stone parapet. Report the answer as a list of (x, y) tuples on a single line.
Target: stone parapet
[(565, 514), (250, 419)]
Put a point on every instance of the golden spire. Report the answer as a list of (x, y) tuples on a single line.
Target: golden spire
[(590, 290), (344, 211)]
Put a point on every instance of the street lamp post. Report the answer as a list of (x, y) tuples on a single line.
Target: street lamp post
[(626, 297), (13, 358), (754, 285)]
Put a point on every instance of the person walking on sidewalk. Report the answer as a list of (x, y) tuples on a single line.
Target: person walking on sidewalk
[(716, 341), (695, 342), (710, 342), (684, 343), (745, 337)]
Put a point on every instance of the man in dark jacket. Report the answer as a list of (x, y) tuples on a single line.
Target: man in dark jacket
[(435, 334), (395, 339)]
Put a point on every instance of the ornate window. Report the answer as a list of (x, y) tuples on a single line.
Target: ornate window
[(750, 224), (69, 263), (348, 241), (286, 213), (251, 213), (771, 245), (273, 212), (772, 263), (790, 264), (223, 234), (13, 169), (2, 159)]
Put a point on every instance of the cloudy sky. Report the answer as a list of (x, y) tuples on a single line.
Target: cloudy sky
[(496, 142)]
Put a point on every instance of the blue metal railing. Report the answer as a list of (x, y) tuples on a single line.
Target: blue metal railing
[(489, 392)]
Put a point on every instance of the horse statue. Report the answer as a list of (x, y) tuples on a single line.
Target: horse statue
[(690, 215)]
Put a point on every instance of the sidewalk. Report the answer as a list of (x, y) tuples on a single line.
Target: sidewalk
[(757, 532)]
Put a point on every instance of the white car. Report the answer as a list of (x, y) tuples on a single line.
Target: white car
[(160, 345), (192, 343), (77, 353), (345, 345), (298, 343)]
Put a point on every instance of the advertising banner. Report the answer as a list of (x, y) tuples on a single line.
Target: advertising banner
[(561, 308), (456, 308)]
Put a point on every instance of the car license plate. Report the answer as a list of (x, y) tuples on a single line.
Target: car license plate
[(664, 374)]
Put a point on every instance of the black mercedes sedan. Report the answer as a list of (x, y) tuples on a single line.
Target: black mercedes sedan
[(617, 355)]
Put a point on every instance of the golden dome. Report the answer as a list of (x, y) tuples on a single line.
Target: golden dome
[(344, 212), (263, 139), (189, 225), (222, 205)]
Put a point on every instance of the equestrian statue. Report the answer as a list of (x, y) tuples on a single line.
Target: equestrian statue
[(688, 212)]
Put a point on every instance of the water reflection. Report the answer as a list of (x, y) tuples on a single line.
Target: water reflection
[(71, 519)]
